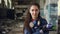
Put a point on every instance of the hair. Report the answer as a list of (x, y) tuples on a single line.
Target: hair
[(29, 17)]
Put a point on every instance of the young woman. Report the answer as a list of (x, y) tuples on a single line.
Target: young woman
[(34, 23)]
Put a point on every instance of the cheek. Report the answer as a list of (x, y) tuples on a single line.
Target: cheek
[(37, 12), (31, 13), (34, 14)]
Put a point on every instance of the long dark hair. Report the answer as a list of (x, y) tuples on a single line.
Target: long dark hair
[(28, 17)]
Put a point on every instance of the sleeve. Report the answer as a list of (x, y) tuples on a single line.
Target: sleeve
[(26, 31), (44, 25), (47, 26), (37, 32), (45, 22)]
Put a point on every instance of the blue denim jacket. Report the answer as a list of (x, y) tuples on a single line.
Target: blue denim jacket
[(37, 31)]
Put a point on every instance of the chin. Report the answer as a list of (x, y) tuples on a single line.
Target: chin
[(35, 17)]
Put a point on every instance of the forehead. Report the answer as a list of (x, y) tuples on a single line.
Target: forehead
[(34, 7)]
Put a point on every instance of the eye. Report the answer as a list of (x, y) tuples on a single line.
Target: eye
[(32, 9), (36, 10)]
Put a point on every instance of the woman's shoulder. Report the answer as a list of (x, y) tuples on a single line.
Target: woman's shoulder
[(43, 19)]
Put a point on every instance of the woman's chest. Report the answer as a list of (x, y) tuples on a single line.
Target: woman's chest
[(36, 26)]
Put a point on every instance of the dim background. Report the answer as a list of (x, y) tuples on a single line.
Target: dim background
[(12, 13)]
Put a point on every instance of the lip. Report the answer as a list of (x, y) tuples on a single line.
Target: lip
[(34, 14)]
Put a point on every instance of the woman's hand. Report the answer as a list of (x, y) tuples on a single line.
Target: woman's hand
[(49, 26), (41, 31)]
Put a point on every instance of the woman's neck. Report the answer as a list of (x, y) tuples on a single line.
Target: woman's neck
[(34, 19)]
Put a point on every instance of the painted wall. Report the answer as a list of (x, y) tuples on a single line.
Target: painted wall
[(51, 11), (59, 8)]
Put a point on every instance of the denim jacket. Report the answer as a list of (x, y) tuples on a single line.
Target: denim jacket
[(37, 31)]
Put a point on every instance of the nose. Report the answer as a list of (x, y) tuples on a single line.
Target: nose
[(34, 12)]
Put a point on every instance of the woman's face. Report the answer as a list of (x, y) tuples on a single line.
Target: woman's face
[(34, 11)]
